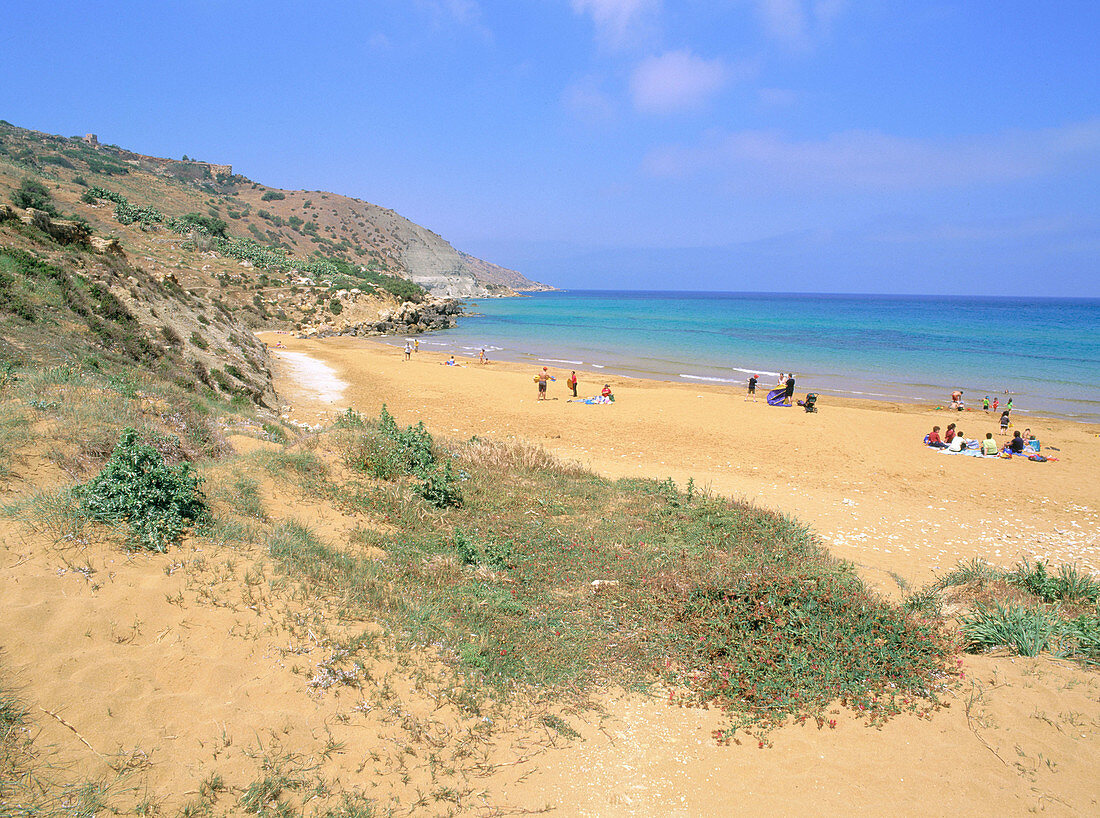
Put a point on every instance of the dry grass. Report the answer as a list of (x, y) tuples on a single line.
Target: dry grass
[(503, 455)]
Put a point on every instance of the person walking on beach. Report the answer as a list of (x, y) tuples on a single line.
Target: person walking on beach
[(1004, 422), (752, 388), (481, 357), (788, 396), (572, 382), (416, 345), (543, 378), (408, 350), (985, 403)]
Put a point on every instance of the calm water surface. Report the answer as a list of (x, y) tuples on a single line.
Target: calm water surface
[(1045, 352)]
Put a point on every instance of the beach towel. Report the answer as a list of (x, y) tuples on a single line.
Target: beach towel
[(592, 400), (775, 397)]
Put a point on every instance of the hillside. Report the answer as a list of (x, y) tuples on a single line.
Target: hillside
[(306, 224)]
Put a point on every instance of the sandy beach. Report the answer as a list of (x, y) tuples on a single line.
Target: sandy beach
[(195, 666), (1022, 735), (856, 471)]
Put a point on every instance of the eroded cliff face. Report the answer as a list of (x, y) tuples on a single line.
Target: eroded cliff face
[(442, 270)]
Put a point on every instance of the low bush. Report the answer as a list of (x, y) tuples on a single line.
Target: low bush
[(272, 195), (138, 487), (32, 193)]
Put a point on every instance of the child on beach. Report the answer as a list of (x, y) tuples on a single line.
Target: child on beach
[(752, 388), (572, 382), (949, 435), (408, 350), (1004, 422), (989, 445), (933, 439)]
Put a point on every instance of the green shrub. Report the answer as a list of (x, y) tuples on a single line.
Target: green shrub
[(32, 193), (440, 488), (138, 487), (413, 443), (211, 224), (272, 195)]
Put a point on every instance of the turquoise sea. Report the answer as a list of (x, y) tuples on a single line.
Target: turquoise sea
[(1045, 353)]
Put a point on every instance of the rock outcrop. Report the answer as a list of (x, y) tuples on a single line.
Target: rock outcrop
[(408, 318)]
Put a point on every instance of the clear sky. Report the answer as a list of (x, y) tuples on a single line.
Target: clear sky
[(939, 146)]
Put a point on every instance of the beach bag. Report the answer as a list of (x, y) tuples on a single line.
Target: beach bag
[(1038, 458)]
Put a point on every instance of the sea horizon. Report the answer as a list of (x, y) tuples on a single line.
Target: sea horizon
[(883, 346)]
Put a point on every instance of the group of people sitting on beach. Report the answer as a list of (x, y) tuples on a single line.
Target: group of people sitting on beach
[(955, 441)]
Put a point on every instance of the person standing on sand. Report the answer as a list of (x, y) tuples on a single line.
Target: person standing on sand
[(572, 382), (1004, 422), (416, 345), (408, 350), (481, 357), (543, 378), (788, 396), (752, 388)]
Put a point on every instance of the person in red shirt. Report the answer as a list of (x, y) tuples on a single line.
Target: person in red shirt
[(934, 440), (949, 435)]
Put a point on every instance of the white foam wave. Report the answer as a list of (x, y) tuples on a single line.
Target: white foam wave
[(708, 378), (560, 361), (755, 371)]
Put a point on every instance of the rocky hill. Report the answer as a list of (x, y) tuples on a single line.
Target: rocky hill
[(306, 224), (169, 267)]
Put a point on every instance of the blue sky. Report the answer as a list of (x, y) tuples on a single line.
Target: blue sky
[(945, 146)]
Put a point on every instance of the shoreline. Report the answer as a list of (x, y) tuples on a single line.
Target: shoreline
[(851, 398), (918, 350), (856, 471)]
